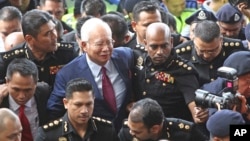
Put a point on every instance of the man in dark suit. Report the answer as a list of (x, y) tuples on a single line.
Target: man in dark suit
[(97, 43), (23, 89)]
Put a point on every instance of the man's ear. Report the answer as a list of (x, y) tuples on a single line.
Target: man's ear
[(133, 24), (84, 46), (155, 129)]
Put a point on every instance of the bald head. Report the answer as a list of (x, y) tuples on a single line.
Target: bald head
[(158, 28), (7, 114), (92, 25), (13, 39)]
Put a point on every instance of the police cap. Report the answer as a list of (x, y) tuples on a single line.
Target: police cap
[(240, 61), (229, 14), (247, 32), (201, 15), (219, 123), (129, 4)]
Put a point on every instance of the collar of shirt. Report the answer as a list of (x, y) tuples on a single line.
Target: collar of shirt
[(14, 106), (96, 69)]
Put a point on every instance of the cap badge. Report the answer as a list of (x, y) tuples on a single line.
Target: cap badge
[(236, 17), (202, 15)]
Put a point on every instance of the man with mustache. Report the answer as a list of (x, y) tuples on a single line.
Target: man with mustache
[(78, 124)]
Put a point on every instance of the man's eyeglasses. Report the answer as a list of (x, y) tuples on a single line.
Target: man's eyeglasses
[(101, 44), (210, 52)]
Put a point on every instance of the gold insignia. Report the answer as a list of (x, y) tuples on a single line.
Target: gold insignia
[(189, 68), (193, 58), (185, 65), (54, 69), (180, 63), (212, 79), (236, 17), (138, 45), (16, 52), (231, 44), (42, 69), (188, 48), (65, 126), (181, 125), (237, 44), (142, 47), (45, 126), (168, 134), (226, 44), (187, 127), (170, 123), (152, 69), (125, 122), (183, 49), (147, 80), (51, 124), (56, 122), (60, 120), (177, 61), (164, 84), (135, 139), (109, 122), (211, 66), (62, 139), (144, 93), (177, 51), (139, 62)]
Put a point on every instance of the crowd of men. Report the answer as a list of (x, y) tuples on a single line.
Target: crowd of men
[(124, 75)]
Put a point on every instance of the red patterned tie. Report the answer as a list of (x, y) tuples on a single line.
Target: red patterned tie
[(26, 133), (108, 91)]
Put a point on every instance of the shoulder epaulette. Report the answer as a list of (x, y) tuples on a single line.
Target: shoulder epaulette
[(52, 124), (140, 47), (180, 124), (229, 42), (13, 54), (183, 64), (65, 45), (183, 49), (102, 120)]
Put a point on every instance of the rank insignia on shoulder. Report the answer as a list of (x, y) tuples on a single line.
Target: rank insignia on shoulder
[(52, 124), (102, 120), (65, 45), (139, 62), (164, 77), (55, 69), (62, 139), (183, 49), (12, 54)]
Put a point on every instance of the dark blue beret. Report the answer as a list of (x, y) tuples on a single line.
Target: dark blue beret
[(219, 123), (229, 14), (240, 61), (247, 32), (201, 15)]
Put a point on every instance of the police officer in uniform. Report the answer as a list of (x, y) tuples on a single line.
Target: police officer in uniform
[(78, 124), (162, 75), (146, 122), (41, 47), (208, 50)]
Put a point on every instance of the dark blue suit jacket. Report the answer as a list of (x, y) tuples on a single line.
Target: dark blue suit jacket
[(78, 68)]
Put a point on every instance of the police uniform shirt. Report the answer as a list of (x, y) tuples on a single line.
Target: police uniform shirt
[(208, 70), (173, 129), (47, 68), (61, 130), (171, 84)]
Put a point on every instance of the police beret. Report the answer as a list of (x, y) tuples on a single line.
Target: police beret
[(129, 4), (201, 15), (240, 61), (219, 123), (229, 14), (247, 32)]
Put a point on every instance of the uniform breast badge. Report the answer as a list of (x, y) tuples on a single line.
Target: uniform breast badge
[(164, 77), (139, 63)]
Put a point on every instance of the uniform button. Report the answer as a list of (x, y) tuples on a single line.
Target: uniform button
[(152, 69), (212, 79), (42, 69), (164, 84), (148, 80), (144, 93), (211, 66)]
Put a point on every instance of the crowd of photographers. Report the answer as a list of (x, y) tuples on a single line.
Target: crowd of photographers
[(173, 70)]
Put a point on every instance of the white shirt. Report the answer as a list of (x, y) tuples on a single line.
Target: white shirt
[(30, 112), (114, 76)]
